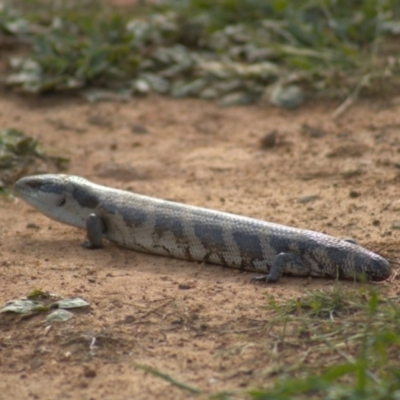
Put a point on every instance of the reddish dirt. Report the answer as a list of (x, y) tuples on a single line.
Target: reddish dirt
[(204, 325)]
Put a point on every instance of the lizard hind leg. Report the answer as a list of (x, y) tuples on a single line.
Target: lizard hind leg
[(94, 229), (285, 263)]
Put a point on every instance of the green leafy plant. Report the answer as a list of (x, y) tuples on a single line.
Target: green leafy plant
[(235, 51)]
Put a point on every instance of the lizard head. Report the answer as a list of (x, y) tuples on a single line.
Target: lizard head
[(64, 198)]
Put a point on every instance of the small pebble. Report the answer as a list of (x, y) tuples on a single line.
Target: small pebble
[(140, 129), (129, 319), (353, 194), (89, 372), (269, 140), (184, 286), (395, 206), (396, 225), (32, 226), (307, 199), (312, 131)]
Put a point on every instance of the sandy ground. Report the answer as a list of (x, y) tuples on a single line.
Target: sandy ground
[(204, 325)]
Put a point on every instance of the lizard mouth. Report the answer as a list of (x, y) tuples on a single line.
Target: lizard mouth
[(23, 187)]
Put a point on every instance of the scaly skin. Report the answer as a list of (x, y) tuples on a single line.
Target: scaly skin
[(176, 230)]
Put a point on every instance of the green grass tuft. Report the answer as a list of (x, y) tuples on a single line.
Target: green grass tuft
[(208, 49), (360, 328)]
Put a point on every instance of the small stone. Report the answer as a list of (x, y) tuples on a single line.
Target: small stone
[(139, 129), (396, 225), (307, 199), (128, 319), (376, 222), (36, 362), (89, 372), (184, 286), (353, 194), (312, 131), (395, 206), (352, 173), (32, 226), (269, 140)]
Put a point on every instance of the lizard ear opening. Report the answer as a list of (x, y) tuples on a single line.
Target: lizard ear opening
[(62, 202)]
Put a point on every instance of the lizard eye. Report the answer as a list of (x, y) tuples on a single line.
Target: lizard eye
[(62, 202)]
